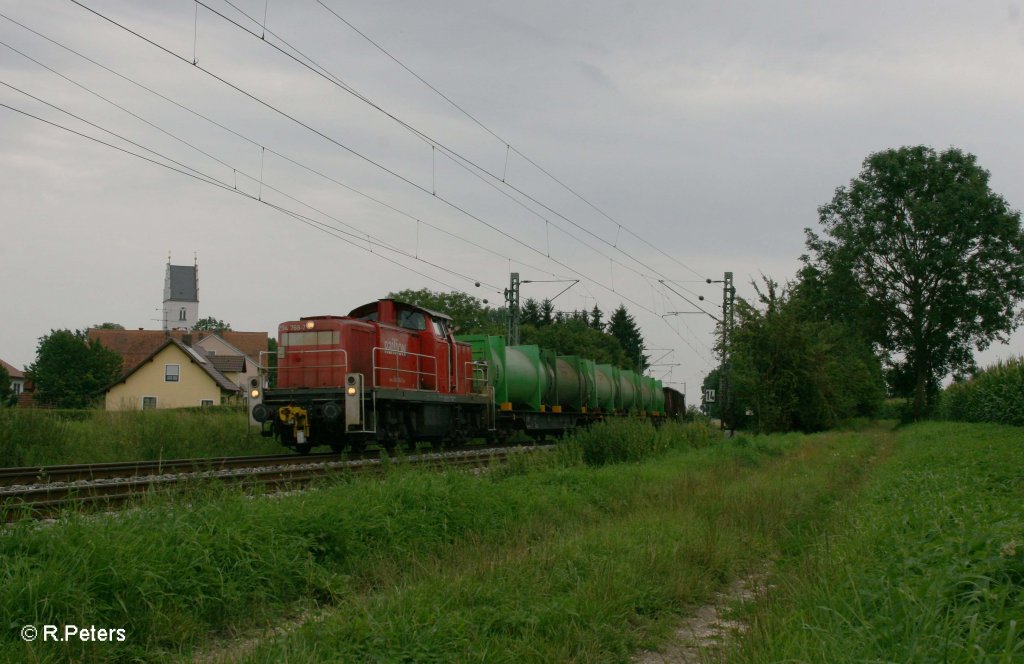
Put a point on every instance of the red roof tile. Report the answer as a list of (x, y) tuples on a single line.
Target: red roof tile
[(137, 345), (12, 370)]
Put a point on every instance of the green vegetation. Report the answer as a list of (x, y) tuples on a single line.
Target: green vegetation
[(212, 324), (924, 259), (7, 395), (918, 262), (791, 371), (469, 315), (542, 560), (925, 565), (30, 437), (70, 370), (580, 333), (993, 395)]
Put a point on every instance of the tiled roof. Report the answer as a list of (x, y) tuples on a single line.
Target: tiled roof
[(132, 345), (249, 343), (227, 363), (12, 370), (193, 357), (135, 346)]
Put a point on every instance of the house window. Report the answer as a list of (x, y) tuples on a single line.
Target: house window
[(181, 314), (17, 387), (148, 403), (205, 402), (171, 373)]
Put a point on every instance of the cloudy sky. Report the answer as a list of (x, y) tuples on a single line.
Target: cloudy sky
[(685, 139)]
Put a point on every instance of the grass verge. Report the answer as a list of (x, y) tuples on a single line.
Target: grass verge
[(31, 437), (926, 565), (546, 562)]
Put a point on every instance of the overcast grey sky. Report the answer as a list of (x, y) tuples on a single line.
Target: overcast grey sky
[(711, 130)]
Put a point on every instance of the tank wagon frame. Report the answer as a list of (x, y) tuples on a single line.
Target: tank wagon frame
[(392, 373)]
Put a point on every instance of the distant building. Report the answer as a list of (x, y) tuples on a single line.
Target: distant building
[(172, 376), (181, 296), (234, 356), (17, 377)]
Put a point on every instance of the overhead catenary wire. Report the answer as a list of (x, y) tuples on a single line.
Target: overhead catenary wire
[(318, 132), (364, 157), (457, 157), (243, 137), (323, 135), (451, 204), (192, 173), (508, 145), (371, 240)]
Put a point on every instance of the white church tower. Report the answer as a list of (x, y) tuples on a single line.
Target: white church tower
[(181, 296)]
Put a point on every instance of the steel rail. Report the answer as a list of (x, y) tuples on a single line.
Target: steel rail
[(48, 500)]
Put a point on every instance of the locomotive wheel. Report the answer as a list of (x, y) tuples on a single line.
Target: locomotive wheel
[(337, 447), (303, 448)]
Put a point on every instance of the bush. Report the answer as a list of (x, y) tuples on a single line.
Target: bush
[(619, 440)]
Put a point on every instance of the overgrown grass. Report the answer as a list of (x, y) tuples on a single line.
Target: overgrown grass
[(549, 564), (31, 437), (994, 395), (927, 565), (599, 588), (622, 440)]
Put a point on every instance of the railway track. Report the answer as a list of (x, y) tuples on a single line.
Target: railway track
[(94, 471), (42, 492)]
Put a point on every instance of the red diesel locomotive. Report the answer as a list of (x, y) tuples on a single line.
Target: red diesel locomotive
[(387, 372)]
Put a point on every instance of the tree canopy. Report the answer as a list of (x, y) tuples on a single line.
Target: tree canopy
[(70, 370), (574, 337), (926, 256), (470, 315), (789, 371), (623, 327), (211, 324), (568, 333)]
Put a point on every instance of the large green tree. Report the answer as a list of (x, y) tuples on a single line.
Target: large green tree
[(931, 255), (70, 370), (470, 315)]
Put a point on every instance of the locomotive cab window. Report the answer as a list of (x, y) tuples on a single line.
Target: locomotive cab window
[(412, 320), (439, 328)]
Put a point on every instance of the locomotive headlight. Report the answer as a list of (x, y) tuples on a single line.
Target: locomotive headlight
[(255, 394), (310, 325), (351, 391)]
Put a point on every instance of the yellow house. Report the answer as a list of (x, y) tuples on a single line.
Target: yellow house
[(173, 376)]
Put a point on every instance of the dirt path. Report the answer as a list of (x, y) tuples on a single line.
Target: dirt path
[(709, 628)]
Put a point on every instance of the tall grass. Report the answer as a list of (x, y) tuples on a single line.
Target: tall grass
[(621, 440), (994, 395), (550, 564), (31, 437), (926, 566)]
